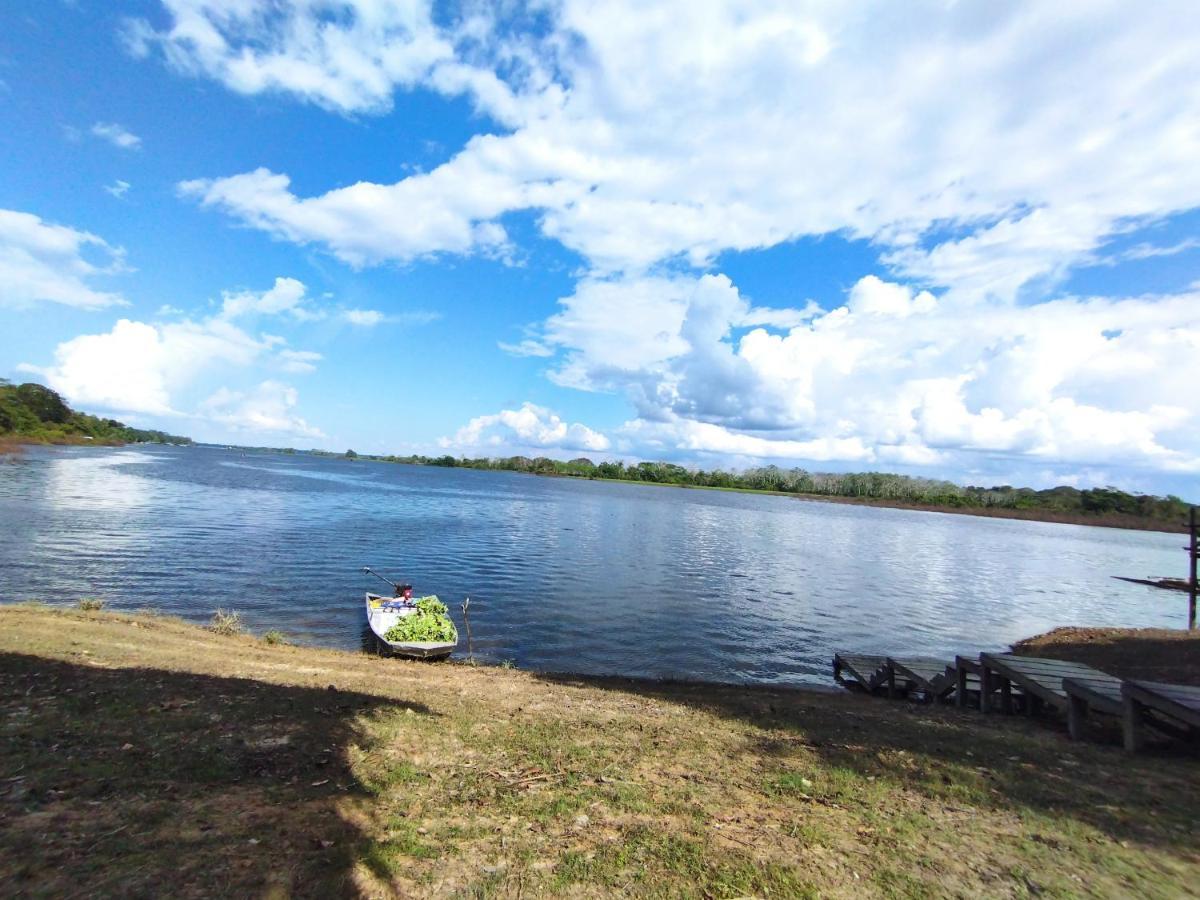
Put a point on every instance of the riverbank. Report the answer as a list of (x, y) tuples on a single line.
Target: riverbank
[(1099, 520), (141, 751)]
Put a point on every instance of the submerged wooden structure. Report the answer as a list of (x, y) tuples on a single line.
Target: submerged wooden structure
[(1190, 584)]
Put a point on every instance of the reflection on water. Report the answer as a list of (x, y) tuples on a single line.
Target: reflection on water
[(563, 574)]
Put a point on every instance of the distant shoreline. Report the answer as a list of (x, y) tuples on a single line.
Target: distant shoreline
[(1106, 520), (1126, 521)]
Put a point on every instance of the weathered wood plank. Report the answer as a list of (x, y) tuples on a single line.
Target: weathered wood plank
[(924, 674), (865, 669), (1043, 678), (1178, 701)]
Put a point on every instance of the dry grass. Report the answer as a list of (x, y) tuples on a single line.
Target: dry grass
[(225, 622), (141, 751)]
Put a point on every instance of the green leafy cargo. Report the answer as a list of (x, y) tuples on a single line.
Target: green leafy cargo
[(430, 623)]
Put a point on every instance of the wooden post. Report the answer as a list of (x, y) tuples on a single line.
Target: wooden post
[(960, 686), (891, 681), (985, 688), (1006, 698), (1076, 716), (1193, 555), (1131, 722)]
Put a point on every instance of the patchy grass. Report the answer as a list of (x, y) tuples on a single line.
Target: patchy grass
[(225, 622), (91, 604), (142, 751), (275, 637)]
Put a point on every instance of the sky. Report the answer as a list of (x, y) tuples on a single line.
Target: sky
[(952, 239)]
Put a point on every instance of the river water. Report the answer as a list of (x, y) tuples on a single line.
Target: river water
[(563, 575)]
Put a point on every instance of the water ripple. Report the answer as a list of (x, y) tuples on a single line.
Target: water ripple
[(563, 575)]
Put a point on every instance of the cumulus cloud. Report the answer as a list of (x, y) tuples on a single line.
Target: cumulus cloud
[(152, 368), (136, 366), (117, 135), (530, 426), (287, 295), (1004, 148), (984, 150), (268, 407), (43, 262), (894, 375)]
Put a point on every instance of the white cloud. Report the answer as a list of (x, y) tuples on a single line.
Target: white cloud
[(267, 408), (530, 426), (117, 135), (985, 150), (367, 318), (287, 295), (527, 347), (299, 361), (43, 262), (136, 366), (118, 188), (1004, 149), (1150, 251), (350, 56), (894, 376), (448, 210), (154, 368)]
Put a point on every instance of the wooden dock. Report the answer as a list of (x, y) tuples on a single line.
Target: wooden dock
[(865, 670), (1145, 702), (932, 678), (1007, 680), (1040, 679), (1086, 696)]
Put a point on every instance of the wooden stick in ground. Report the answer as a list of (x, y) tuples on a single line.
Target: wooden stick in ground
[(1193, 554)]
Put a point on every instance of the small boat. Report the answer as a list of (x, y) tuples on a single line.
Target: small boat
[(384, 612)]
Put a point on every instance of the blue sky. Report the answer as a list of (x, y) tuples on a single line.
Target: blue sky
[(958, 241)]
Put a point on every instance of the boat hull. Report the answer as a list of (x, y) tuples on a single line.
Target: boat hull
[(383, 613)]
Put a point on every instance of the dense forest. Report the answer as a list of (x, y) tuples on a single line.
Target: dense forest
[(33, 412), (1100, 506)]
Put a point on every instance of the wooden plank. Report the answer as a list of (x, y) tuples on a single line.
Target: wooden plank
[(863, 668), (1103, 695), (1178, 701), (922, 673), (1042, 678)]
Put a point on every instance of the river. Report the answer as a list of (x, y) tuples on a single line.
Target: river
[(563, 574)]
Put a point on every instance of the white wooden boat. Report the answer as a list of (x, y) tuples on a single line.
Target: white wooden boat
[(384, 612)]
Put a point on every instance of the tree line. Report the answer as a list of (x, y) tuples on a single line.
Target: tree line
[(1086, 504), (34, 412)]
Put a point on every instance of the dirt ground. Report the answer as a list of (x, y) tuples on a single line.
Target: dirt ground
[(1151, 654), (140, 755)]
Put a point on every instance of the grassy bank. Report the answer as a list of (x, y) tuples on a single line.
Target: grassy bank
[(140, 752)]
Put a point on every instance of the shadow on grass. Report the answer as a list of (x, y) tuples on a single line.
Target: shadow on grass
[(140, 782), (867, 748)]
